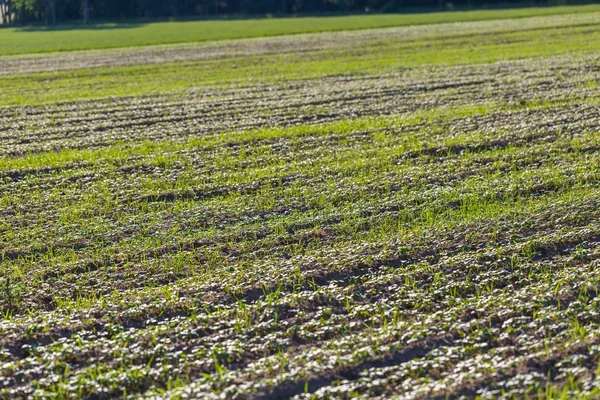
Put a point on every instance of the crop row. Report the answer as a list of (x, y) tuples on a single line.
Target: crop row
[(204, 113)]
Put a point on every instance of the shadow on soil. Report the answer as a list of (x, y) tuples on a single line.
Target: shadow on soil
[(71, 27)]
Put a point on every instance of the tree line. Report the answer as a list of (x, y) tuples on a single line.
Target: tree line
[(52, 11)]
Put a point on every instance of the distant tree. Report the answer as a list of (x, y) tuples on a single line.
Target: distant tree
[(86, 10), (52, 11), (6, 11), (26, 11)]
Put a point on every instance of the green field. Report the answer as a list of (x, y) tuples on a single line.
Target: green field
[(408, 211)]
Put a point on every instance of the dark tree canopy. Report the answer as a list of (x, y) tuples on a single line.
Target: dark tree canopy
[(51, 11)]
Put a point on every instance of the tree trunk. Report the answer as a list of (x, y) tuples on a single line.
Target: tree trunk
[(86, 11), (53, 12), (3, 11), (22, 14), (6, 11)]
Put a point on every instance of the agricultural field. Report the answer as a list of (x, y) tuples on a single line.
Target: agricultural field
[(103, 35), (409, 211)]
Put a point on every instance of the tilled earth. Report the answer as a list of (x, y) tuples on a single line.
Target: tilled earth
[(427, 232), (231, 49)]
